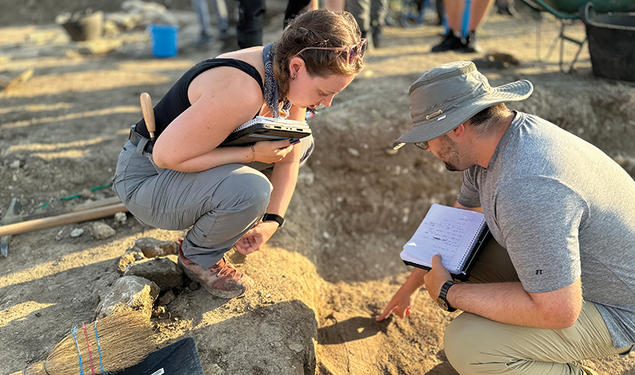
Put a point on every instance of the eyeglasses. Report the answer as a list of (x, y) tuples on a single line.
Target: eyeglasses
[(423, 145), (352, 53)]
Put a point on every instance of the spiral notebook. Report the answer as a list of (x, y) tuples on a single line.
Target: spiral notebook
[(262, 128), (455, 233)]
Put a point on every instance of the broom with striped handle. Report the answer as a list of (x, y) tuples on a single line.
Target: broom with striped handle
[(120, 340)]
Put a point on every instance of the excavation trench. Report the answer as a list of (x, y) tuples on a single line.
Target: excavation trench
[(357, 202)]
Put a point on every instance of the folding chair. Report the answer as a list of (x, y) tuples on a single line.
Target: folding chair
[(568, 13)]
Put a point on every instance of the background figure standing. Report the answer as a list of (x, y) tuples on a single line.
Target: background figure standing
[(251, 15), (251, 20), (335, 5), (295, 7), (370, 15), (462, 25), (202, 14)]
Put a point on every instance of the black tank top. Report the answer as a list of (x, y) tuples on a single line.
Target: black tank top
[(176, 100)]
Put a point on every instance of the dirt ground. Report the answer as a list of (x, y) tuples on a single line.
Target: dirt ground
[(323, 278)]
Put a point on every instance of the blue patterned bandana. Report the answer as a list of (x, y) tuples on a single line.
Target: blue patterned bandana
[(271, 86)]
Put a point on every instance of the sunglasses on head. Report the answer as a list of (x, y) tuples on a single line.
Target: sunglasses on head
[(423, 145), (351, 53)]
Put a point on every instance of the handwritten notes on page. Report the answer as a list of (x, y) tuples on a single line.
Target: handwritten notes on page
[(449, 231)]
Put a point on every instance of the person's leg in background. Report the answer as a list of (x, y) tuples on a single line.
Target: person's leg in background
[(251, 19), (360, 9), (453, 10), (438, 6), (295, 7), (459, 37), (378, 10), (478, 12), (202, 14), (335, 5), (220, 9), (476, 345)]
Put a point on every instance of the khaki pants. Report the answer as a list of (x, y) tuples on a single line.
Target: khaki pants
[(476, 345)]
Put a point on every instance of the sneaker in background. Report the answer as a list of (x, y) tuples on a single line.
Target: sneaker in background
[(470, 44), (449, 42)]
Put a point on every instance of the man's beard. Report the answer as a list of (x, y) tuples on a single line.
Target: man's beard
[(449, 151), (450, 167)]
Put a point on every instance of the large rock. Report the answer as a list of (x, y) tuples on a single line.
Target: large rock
[(136, 292), (101, 230), (151, 247), (164, 272), (129, 256)]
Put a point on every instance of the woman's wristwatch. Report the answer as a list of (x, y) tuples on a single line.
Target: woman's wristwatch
[(273, 217)]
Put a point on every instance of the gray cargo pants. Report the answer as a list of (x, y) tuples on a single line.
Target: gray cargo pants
[(219, 204)]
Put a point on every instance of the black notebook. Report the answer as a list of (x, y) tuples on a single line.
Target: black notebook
[(455, 233), (263, 128)]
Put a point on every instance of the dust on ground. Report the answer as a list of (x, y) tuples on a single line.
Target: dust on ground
[(322, 279)]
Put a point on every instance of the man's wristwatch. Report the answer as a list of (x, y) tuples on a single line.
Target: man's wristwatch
[(442, 300), (273, 217)]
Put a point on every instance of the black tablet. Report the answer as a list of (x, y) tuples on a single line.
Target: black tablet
[(267, 129)]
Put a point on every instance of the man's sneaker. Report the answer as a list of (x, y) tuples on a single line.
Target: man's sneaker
[(221, 280), (448, 43), (470, 45)]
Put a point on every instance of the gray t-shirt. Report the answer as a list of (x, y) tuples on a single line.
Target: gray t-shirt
[(563, 209)]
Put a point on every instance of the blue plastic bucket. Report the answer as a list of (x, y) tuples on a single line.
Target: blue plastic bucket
[(164, 40)]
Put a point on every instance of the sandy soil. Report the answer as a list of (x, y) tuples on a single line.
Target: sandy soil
[(323, 278)]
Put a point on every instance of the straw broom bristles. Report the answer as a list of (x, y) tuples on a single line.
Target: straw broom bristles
[(124, 338)]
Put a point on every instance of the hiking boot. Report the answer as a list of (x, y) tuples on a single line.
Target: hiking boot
[(469, 44), (448, 43), (221, 280)]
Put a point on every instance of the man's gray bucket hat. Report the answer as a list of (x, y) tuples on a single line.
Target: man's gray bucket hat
[(445, 97)]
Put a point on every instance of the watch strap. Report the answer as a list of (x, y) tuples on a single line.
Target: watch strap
[(443, 294), (273, 217)]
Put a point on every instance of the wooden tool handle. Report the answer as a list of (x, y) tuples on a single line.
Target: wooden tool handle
[(78, 208), (73, 217), (148, 113)]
